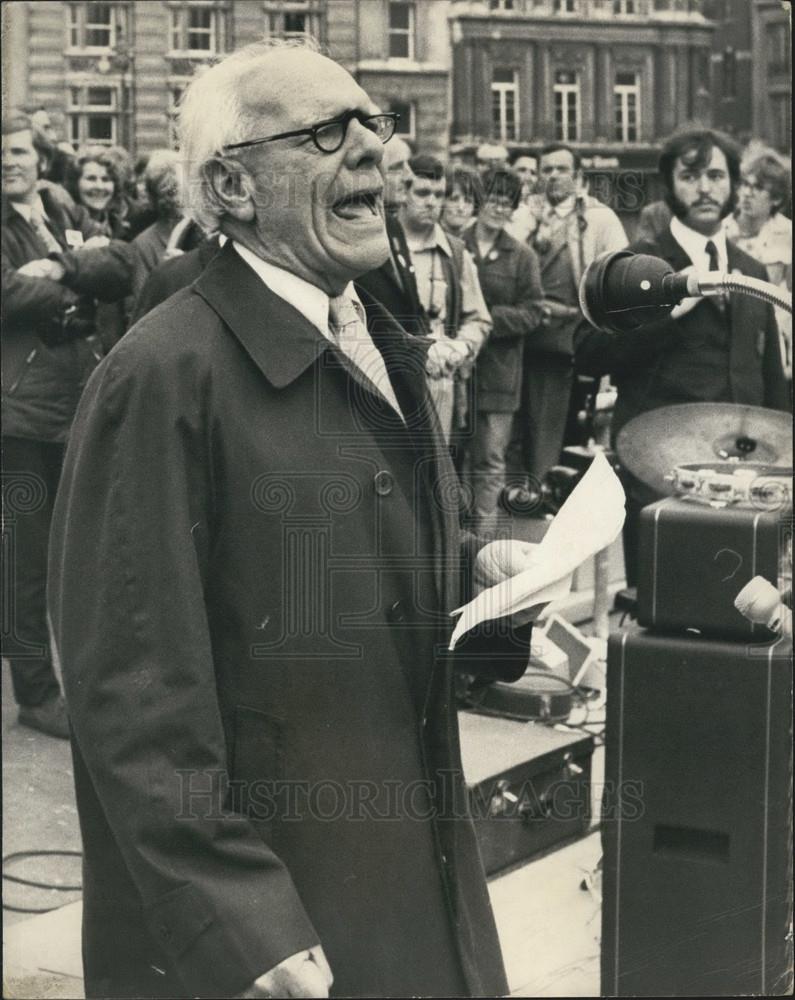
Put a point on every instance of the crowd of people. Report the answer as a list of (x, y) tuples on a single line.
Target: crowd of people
[(485, 260), (253, 550)]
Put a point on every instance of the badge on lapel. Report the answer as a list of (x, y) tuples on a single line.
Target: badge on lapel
[(493, 254)]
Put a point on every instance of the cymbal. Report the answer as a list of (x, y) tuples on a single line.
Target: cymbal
[(651, 445)]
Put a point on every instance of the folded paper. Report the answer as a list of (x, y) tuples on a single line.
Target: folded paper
[(590, 520)]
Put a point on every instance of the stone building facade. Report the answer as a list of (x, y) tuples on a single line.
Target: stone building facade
[(112, 71)]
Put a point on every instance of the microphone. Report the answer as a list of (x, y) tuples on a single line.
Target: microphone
[(761, 603), (622, 291)]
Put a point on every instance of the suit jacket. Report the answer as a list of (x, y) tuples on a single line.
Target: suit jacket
[(393, 283), (265, 738), (42, 384), (695, 359)]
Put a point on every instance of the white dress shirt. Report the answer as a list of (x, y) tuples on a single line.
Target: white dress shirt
[(313, 304), (694, 245)]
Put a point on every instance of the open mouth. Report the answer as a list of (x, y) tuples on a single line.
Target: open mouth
[(361, 205)]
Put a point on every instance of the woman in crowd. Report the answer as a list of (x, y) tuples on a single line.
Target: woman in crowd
[(93, 181), (760, 227), (511, 282), (460, 197)]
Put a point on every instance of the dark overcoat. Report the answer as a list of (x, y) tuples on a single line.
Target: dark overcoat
[(706, 356), (252, 564)]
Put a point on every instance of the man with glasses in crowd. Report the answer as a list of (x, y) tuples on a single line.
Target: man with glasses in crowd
[(255, 554)]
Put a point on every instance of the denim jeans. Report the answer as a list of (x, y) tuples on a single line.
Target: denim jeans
[(489, 447)]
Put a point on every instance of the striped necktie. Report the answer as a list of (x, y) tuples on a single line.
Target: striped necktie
[(39, 226), (351, 335)]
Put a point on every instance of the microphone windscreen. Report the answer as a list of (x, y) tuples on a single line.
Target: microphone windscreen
[(623, 291)]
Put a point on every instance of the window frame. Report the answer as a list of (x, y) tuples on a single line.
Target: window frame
[(78, 26), (564, 91), (409, 33), (180, 29), (622, 94), (500, 91), (79, 113)]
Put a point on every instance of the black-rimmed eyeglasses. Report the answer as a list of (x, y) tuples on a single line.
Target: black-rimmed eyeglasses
[(329, 136)]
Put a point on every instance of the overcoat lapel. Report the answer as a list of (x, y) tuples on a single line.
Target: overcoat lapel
[(405, 358), (287, 344)]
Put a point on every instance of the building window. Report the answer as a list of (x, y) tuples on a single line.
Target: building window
[(778, 49), (293, 19), (505, 104), (96, 25), (626, 96), (93, 115), (406, 123), (401, 31), (501, 4), (197, 28), (566, 6), (567, 106), (625, 7)]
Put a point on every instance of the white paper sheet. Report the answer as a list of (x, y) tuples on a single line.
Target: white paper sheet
[(590, 519)]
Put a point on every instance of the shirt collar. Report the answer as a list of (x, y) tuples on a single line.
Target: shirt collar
[(694, 244), (563, 208), (311, 301), (25, 209), (437, 239)]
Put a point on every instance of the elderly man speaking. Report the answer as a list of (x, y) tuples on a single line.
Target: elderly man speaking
[(255, 553)]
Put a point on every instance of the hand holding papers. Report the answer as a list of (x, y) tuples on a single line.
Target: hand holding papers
[(590, 520)]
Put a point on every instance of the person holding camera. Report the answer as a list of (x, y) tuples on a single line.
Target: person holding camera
[(53, 267)]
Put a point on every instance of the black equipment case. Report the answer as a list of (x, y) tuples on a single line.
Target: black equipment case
[(695, 559), (697, 826), (529, 786)]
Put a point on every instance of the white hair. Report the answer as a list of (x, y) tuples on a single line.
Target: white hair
[(212, 116)]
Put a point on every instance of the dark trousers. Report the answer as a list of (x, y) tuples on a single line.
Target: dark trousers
[(540, 423), (31, 470)]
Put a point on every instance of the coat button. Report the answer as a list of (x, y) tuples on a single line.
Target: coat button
[(396, 613), (383, 482)]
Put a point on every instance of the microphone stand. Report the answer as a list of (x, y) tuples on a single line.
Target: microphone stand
[(708, 283)]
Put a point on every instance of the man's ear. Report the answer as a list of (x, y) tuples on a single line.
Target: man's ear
[(232, 187)]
